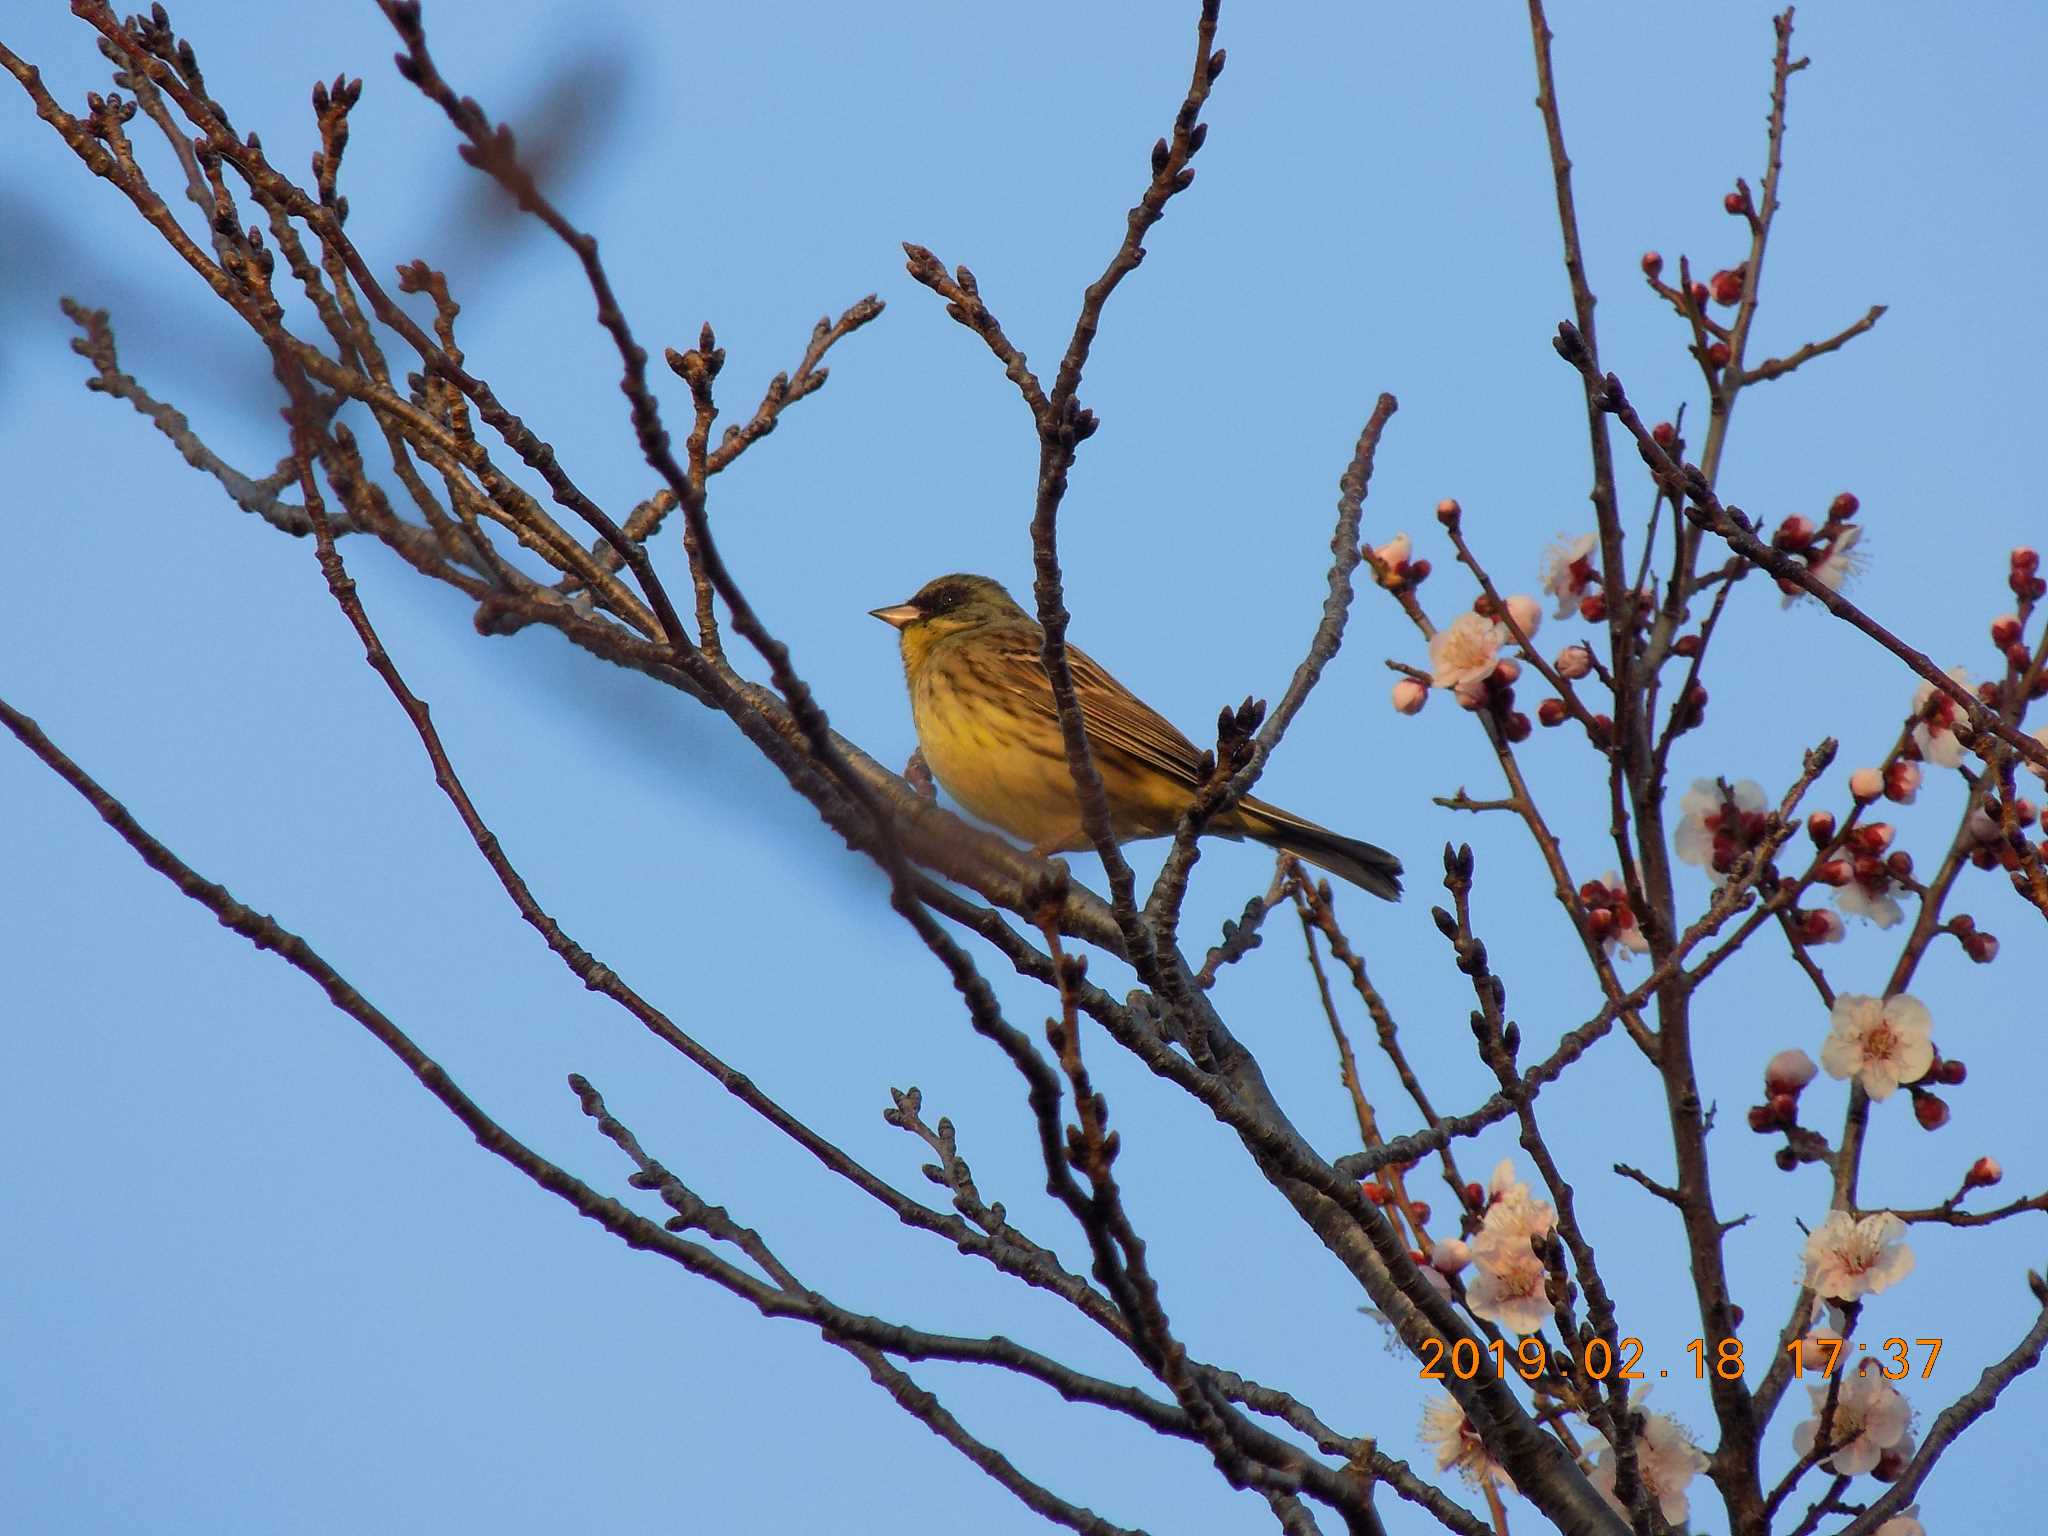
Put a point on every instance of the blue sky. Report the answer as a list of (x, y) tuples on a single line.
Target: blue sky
[(255, 1280)]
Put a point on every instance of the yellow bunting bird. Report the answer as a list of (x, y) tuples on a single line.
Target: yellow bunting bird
[(988, 730)]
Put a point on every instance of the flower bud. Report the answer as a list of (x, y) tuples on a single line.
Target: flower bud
[(1507, 671), (1552, 712), (1874, 837), (1930, 1110), (1820, 926), (1788, 1072), (1418, 572), (1899, 864), (1795, 532), (1785, 1158), (1593, 607), (1727, 287), (1902, 782), (1698, 292), (1418, 1211), (1516, 727), (1448, 512), (1761, 1120), (1410, 695), (1820, 826), (1983, 1174), (1843, 507), (1375, 1191), (2005, 630), (1527, 614), (1448, 1255), (1653, 263), (1785, 1108), (1664, 434), (1687, 646), (1574, 662), (1953, 1072), (1834, 872), (1866, 784), (1718, 355), (2026, 560), (1735, 203)]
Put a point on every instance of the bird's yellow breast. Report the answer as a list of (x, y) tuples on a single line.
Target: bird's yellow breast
[(1005, 766)]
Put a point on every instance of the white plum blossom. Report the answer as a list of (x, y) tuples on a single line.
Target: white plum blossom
[(1463, 654), (1666, 1462), (1394, 553), (1905, 1523), (1508, 1288), (1837, 565), (1447, 1431), (1874, 901), (1879, 1042), (1847, 1258), (1568, 571), (1704, 819), (1869, 1418), (1513, 1213), (1935, 734)]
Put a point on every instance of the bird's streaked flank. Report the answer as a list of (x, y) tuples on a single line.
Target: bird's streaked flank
[(989, 732)]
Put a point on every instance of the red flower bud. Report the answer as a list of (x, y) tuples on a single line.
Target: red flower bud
[(1652, 263), (1761, 1120), (1953, 1072), (1834, 872), (1899, 863), (1785, 1158), (1820, 826), (1593, 607), (1983, 1173), (1785, 1108), (1475, 1196), (1552, 712), (1874, 837), (1687, 646), (2005, 630), (1981, 947), (1516, 727), (1795, 532), (1727, 287), (1930, 1110), (1735, 203), (1699, 295), (1664, 434), (2026, 559), (1375, 1191), (1843, 507), (1869, 871), (1417, 572), (1447, 512), (1717, 355), (2018, 657), (1418, 1211)]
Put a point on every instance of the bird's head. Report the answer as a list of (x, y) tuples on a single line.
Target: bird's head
[(946, 606)]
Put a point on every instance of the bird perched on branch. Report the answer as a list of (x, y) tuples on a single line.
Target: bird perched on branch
[(989, 732)]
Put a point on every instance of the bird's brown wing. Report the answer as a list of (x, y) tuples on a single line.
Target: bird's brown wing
[(1117, 719)]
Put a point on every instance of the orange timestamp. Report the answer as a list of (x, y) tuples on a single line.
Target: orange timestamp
[(1467, 1359)]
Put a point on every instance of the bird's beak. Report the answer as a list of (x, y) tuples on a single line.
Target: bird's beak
[(896, 617)]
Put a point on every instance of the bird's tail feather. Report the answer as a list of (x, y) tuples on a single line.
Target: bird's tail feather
[(1365, 866)]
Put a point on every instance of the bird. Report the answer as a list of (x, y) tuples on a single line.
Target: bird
[(988, 730)]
